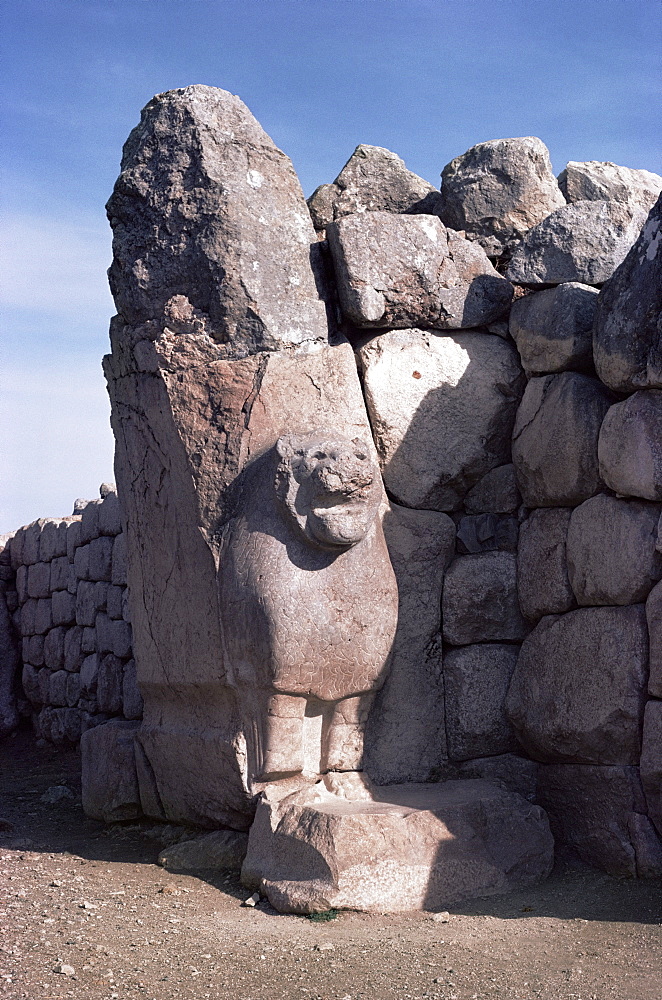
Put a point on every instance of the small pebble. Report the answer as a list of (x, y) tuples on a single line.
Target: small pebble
[(64, 970), (252, 900), (55, 794), (441, 918)]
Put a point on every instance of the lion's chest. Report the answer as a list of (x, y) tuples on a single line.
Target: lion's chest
[(323, 629)]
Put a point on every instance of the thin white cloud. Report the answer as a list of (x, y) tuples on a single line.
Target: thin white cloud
[(56, 265)]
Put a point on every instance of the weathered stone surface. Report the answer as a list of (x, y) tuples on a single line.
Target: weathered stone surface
[(413, 847), (612, 558), (480, 600), (9, 665), (487, 533), (651, 761), (627, 336), (498, 190), (442, 409), (132, 701), (406, 739), (90, 598), (560, 415), (654, 619), (109, 684), (517, 774), (582, 242), (594, 180), (63, 607), (553, 329), (72, 648), (52, 538), (495, 493), (54, 648), (235, 262), (57, 688), (600, 812), (100, 553), (220, 850), (59, 725), (476, 680), (404, 271), (118, 575), (82, 562), (110, 514), (630, 446), (59, 573), (39, 578), (578, 689), (43, 616), (373, 180), (73, 536), (110, 785), (89, 521), (543, 587)]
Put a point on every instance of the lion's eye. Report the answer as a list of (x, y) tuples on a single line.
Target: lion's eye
[(319, 455)]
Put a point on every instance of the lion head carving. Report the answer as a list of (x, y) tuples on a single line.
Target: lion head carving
[(330, 486)]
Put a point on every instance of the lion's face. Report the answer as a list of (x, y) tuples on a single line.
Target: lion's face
[(331, 487)]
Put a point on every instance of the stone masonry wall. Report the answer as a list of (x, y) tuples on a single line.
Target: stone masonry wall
[(70, 618)]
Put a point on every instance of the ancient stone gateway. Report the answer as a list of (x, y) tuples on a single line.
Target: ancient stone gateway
[(345, 511)]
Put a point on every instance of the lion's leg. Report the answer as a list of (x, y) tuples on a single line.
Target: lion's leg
[(343, 739), (280, 751)]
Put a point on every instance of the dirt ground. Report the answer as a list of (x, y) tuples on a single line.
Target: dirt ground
[(74, 893)]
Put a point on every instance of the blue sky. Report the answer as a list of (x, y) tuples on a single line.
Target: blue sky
[(425, 78)]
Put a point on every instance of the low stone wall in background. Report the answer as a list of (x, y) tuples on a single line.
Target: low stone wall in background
[(64, 584)]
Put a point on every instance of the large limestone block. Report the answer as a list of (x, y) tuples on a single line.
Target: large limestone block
[(442, 409), (654, 619), (517, 774), (403, 271), (630, 446), (560, 415), (600, 811), (479, 601), (373, 180), (579, 687), (410, 847), (109, 781), (498, 190), (553, 329), (476, 680), (406, 739), (543, 586), (582, 242), (627, 336), (612, 558), (594, 180), (651, 761), (208, 215)]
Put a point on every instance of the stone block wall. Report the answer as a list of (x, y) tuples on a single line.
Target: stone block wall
[(66, 592)]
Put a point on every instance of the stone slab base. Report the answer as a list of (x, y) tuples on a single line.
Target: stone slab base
[(402, 847)]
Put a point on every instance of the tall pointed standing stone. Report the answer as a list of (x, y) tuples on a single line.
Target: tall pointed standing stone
[(220, 348)]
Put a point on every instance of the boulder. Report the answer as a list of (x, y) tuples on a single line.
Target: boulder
[(651, 761), (517, 774), (408, 847), (495, 493), (559, 415), (654, 619), (582, 242), (627, 345), (441, 408), (487, 533), (402, 271), (600, 811), (498, 190), (476, 680), (593, 180), (553, 329), (479, 601), (611, 551), (197, 174), (109, 781), (220, 850), (579, 687), (406, 739), (543, 586), (630, 446), (373, 180)]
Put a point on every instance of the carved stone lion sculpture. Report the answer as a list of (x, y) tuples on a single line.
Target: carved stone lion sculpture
[(308, 604)]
